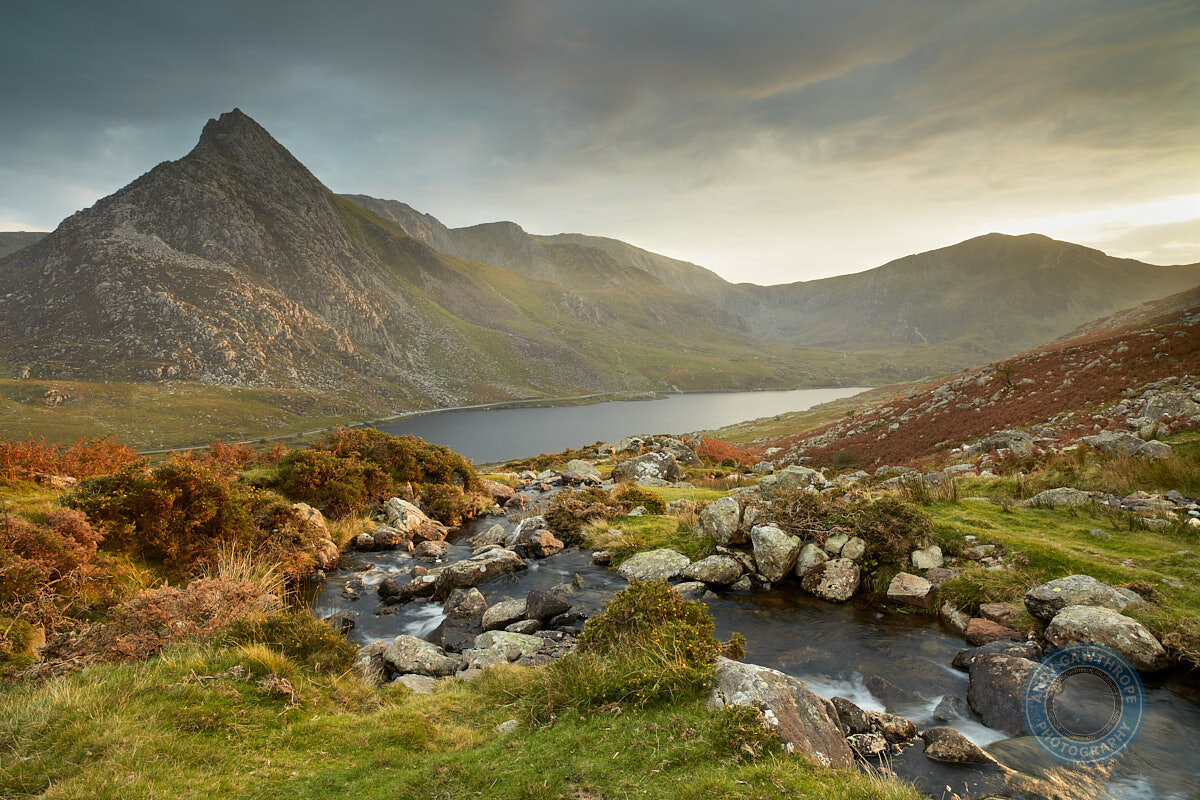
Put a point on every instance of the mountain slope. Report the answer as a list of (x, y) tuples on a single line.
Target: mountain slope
[(235, 266), (12, 241)]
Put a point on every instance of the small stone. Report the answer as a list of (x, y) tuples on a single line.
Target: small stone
[(981, 631)]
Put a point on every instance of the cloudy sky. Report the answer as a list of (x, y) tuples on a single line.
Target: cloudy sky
[(770, 141)]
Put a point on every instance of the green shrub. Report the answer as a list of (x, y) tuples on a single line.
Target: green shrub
[(571, 509), (183, 512), (892, 528), (648, 645), (630, 496), (16, 645), (406, 459), (340, 486), (300, 637), (448, 503)]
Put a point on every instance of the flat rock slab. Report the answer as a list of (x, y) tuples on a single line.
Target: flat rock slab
[(654, 565)]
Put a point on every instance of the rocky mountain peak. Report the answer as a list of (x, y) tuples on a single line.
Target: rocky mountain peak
[(235, 140)]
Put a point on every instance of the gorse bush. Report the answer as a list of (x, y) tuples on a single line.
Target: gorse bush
[(630, 496), (340, 486), (448, 503), (649, 645), (228, 458), (891, 527), (406, 459), (183, 512)]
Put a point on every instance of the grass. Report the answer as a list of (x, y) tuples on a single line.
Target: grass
[(186, 726), (1052, 543), (623, 536)]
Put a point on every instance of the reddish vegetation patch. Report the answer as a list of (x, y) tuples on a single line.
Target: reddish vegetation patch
[(1076, 375), (714, 451), (82, 458)]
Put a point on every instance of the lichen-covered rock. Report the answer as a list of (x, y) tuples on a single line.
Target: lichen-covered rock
[(493, 535), (504, 641), (774, 551), (720, 520), (654, 565), (854, 548), (950, 746), (810, 556), (929, 558), (1063, 497), (579, 471), (476, 570), (410, 655), (1104, 626), (805, 721), (1048, 599), (791, 479), (658, 465), (911, 590), (835, 580), (718, 570), (500, 615)]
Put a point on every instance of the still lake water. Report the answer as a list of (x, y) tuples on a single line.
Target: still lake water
[(487, 435)]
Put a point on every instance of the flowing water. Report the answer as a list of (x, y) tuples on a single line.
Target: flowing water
[(487, 435), (835, 649)]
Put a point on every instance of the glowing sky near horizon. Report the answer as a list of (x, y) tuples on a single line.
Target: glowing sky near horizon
[(769, 141)]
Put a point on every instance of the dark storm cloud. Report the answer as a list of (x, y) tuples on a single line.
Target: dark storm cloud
[(673, 123)]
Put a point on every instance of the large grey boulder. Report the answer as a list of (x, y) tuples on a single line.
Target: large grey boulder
[(409, 655), (929, 558), (835, 580), (950, 746), (1108, 628), (791, 479), (524, 528), (578, 471), (720, 519), (684, 455), (811, 555), (997, 689), (1153, 450), (805, 723), (654, 565), (493, 535), (1115, 442), (718, 570), (503, 614), (660, 465), (412, 522), (507, 642), (1048, 599), (774, 551), (911, 590), (476, 570), (1063, 497)]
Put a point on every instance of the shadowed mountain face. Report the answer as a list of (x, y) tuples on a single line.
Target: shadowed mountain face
[(234, 265), (12, 241)]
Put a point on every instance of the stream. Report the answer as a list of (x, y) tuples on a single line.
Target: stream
[(835, 649)]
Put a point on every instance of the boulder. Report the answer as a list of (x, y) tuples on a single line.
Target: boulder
[(654, 565), (997, 689), (1114, 442), (1111, 629), (720, 519), (684, 455), (951, 747), (522, 528), (1063, 497), (911, 590), (855, 720), (939, 575), (835, 543), (499, 492), (774, 552), (867, 745), (431, 550), (524, 626), (577, 471), (370, 666), (506, 642), (810, 556), (1044, 601), (763, 468), (792, 479), (805, 722), (981, 631), (501, 615), (1004, 647), (476, 570), (540, 543), (929, 558), (1153, 450), (659, 465), (410, 520), (954, 619), (1002, 613), (543, 605), (950, 707), (719, 570), (854, 549), (835, 580), (465, 604), (692, 590), (341, 621), (493, 535), (890, 694), (408, 654)]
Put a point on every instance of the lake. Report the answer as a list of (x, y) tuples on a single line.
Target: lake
[(487, 435)]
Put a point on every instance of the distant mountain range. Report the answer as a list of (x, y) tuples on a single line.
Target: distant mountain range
[(235, 266)]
